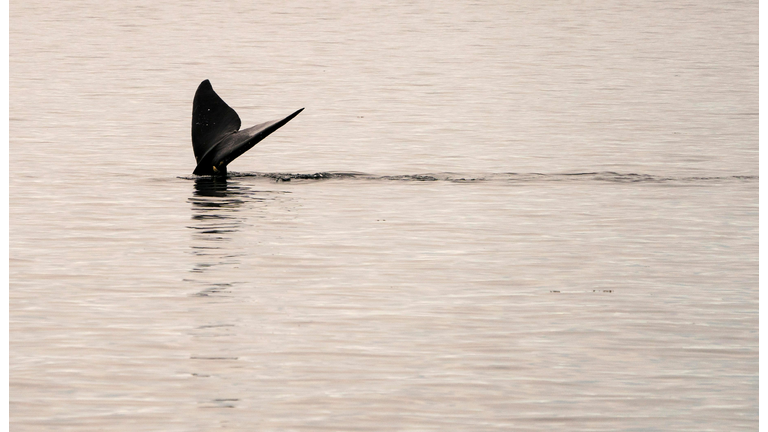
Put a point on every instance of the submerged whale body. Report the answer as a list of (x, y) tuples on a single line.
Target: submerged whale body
[(216, 136)]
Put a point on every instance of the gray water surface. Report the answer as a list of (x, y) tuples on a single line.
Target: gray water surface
[(490, 216)]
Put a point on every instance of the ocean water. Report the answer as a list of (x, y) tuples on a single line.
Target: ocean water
[(490, 216)]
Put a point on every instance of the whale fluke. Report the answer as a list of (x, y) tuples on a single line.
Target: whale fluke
[(216, 136)]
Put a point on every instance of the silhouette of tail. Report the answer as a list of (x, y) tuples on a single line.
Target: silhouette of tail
[(216, 136)]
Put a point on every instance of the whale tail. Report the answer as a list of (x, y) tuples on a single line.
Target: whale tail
[(216, 136)]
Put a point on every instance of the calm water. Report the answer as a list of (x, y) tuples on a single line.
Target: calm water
[(525, 217)]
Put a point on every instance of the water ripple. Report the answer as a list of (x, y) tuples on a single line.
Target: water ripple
[(603, 176)]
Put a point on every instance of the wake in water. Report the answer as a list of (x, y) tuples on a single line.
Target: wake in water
[(605, 176)]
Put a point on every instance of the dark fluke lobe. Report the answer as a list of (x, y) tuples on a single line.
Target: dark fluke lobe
[(216, 136)]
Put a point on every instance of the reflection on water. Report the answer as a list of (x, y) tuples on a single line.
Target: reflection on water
[(215, 204), (216, 216), (222, 240), (216, 219)]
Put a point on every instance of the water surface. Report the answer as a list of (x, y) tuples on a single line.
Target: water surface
[(490, 216)]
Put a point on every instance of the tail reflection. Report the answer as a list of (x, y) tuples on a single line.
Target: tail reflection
[(215, 204), (220, 211), (216, 216)]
